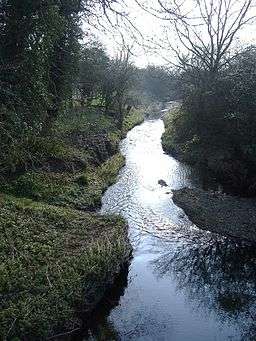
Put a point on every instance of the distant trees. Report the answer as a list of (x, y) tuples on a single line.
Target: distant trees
[(159, 83), (118, 85), (109, 81), (119, 80)]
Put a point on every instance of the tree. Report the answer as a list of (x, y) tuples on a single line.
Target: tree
[(207, 31), (38, 45), (215, 128), (158, 83), (93, 65), (119, 77)]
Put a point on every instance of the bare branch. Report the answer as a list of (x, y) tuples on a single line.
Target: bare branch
[(208, 37)]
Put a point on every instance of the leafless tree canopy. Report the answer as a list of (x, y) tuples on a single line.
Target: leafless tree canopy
[(206, 29)]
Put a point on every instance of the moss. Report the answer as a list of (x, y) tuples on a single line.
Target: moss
[(54, 262)]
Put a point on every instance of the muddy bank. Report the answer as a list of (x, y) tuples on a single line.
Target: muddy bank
[(216, 212)]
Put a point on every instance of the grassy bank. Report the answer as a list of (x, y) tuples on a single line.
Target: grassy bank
[(54, 265), (173, 142), (136, 116), (57, 255)]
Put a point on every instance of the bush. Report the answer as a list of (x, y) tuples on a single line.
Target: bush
[(216, 125)]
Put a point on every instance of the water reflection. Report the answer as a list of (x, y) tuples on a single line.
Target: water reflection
[(216, 274), (98, 327)]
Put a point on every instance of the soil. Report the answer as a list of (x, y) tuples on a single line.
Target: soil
[(218, 212)]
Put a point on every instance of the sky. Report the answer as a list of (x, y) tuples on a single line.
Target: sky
[(144, 29)]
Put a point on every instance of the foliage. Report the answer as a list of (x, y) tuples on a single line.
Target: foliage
[(57, 260), (216, 126), (38, 51), (40, 41)]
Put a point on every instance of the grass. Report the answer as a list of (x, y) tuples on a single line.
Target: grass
[(53, 262), (135, 117), (57, 257), (89, 121), (79, 190)]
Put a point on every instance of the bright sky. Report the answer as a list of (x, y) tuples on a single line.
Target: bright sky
[(151, 29)]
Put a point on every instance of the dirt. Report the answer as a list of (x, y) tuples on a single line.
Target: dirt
[(218, 212)]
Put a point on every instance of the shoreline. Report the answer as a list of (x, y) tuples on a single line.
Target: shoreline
[(219, 213)]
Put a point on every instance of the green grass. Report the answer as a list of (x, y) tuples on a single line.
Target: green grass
[(80, 190), (54, 263), (56, 257), (89, 121), (135, 117)]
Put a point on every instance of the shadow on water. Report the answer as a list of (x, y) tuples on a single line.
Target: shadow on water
[(98, 327), (216, 274)]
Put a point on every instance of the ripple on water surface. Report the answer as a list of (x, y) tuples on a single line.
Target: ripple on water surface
[(183, 284)]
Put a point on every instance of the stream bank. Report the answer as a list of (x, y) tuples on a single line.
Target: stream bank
[(58, 254), (215, 148), (219, 213)]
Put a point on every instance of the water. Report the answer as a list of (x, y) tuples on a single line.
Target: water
[(183, 284)]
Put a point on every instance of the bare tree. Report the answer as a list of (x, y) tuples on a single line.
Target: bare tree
[(206, 30), (119, 79)]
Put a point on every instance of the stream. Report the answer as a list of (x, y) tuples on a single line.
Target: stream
[(183, 284)]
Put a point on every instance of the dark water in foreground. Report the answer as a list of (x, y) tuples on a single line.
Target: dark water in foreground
[(183, 284)]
